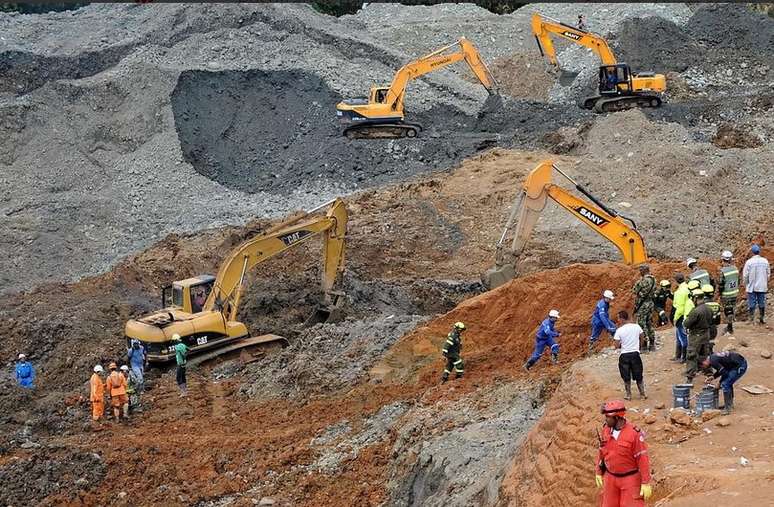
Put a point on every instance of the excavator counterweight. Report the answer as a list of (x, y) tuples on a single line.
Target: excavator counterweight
[(530, 202)]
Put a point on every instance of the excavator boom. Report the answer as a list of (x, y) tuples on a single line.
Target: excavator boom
[(531, 201), (543, 27)]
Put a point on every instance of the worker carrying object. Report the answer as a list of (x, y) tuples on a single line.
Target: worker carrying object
[(728, 285), (698, 323), (644, 290), (623, 465), (25, 373), (181, 355), (660, 298), (545, 338), (679, 300), (729, 366), (709, 295), (600, 320), (452, 350), (116, 388), (97, 393)]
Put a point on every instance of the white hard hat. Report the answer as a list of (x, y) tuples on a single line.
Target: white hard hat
[(175, 337), (554, 313), (608, 294), (726, 255), (98, 369), (124, 367), (22, 356), (690, 261)]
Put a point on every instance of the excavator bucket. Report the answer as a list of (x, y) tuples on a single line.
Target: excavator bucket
[(327, 313), (497, 276)]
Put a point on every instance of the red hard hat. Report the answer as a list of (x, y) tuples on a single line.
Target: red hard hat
[(614, 408)]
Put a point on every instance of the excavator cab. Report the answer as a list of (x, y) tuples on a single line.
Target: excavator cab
[(614, 79), (188, 295), (379, 94)]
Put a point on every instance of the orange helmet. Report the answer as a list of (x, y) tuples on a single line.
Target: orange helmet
[(112, 366), (615, 408)]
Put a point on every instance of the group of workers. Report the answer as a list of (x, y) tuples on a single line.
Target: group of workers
[(123, 385)]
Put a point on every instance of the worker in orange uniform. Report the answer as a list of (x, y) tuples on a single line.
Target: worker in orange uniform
[(623, 466), (116, 386), (97, 396)]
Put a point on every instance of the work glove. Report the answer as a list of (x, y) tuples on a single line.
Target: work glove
[(646, 491), (598, 480)]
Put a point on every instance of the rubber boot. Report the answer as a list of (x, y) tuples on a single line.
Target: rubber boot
[(684, 355), (652, 345), (762, 321), (729, 328), (641, 389), (526, 366), (628, 387), (126, 411), (457, 376), (752, 316), (591, 348), (444, 377), (678, 352), (554, 358), (728, 401)]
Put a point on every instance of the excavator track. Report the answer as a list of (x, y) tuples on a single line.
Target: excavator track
[(382, 130), (621, 103)]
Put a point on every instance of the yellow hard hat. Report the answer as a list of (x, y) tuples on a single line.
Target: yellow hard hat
[(175, 337), (693, 284), (697, 292), (665, 283), (707, 289), (459, 325)]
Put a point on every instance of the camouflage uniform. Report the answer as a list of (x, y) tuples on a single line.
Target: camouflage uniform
[(644, 290)]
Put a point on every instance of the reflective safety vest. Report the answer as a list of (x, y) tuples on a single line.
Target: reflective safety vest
[(702, 276), (730, 282), (715, 307)]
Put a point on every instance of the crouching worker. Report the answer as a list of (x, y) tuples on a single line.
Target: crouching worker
[(623, 466), (545, 338), (729, 366), (451, 351)]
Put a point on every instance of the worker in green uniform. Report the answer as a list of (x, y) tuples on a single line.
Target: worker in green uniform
[(728, 285), (181, 355), (709, 296), (698, 323), (644, 290), (452, 349)]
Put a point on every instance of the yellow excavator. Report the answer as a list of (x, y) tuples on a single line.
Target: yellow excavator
[(531, 201), (619, 87), (381, 115), (203, 309)]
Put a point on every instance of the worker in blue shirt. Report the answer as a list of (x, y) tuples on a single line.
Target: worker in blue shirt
[(25, 373), (545, 338), (600, 320)]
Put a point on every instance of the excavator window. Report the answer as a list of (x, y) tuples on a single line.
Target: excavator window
[(199, 295), (381, 95), (610, 76)]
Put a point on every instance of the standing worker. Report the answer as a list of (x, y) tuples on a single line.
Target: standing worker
[(181, 354), (116, 388), (644, 290), (627, 338), (600, 320), (545, 338), (679, 299), (709, 300), (97, 394), (729, 366), (699, 274), (582, 23), (728, 285), (660, 298), (131, 387), (697, 322), (623, 465), (137, 359), (452, 351), (756, 274), (25, 373)]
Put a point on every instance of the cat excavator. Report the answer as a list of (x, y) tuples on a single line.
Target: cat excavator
[(619, 87), (531, 201), (203, 309), (381, 115)]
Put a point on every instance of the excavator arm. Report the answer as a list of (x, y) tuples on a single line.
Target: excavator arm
[(227, 289), (531, 201), (543, 27)]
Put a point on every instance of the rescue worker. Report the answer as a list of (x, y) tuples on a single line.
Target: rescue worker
[(25, 373), (97, 394), (679, 299), (181, 355), (137, 360), (545, 338), (699, 274), (623, 465), (627, 338), (729, 366), (644, 290), (582, 23), (600, 320), (131, 387), (452, 351), (709, 296), (698, 323), (756, 274), (660, 298), (728, 285), (116, 388)]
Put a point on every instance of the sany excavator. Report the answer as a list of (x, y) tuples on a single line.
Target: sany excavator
[(382, 116), (531, 201), (619, 88), (203, 310)]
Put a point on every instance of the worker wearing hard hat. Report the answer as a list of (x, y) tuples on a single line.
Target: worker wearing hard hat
[(728, 285), (756, 273), (698, 273), (623, 465), (709, 296), (660, 298), (545, 338), (116, 388), (131, 387), (644, 290), (679, 301), (698, 323), (97, 393), (600, 320), (25, 373), (181, 358), (452, 350)]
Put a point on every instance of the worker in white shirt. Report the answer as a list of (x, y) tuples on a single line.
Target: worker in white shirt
[(756, 274), (627, 338)]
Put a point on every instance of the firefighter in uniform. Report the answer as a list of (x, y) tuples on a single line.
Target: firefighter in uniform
[(623, 465), (644, 290), (452, 349), (660, 298), (709, 296), (698, 323), (728, 285)]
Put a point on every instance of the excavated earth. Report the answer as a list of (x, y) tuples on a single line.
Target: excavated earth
[(140, 144)]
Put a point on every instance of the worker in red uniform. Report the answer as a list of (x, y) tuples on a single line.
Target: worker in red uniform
[(623, 466)]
